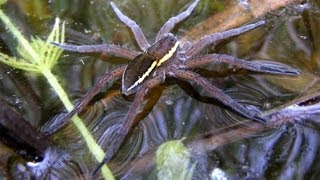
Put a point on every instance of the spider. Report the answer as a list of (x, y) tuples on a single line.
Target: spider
[(168, 58)]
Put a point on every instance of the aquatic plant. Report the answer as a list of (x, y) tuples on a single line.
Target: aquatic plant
[(39, 56)]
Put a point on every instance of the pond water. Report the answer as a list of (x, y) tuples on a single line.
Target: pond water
[(218, 139)]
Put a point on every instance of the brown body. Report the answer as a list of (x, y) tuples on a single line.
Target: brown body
[(146, 63), (150, 68)]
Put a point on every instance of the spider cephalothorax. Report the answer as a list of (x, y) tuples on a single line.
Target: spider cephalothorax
[(167, 58), (142, 67)]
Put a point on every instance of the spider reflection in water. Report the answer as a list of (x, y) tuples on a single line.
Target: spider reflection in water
[(168, 58)]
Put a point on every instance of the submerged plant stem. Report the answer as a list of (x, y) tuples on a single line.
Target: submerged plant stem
[(91, 143), (38, 62), (16, 33)]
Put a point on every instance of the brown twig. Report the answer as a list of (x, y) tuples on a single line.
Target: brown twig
[(235, 16)]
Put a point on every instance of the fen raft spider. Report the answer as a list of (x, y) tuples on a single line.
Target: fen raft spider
[(167, 58)]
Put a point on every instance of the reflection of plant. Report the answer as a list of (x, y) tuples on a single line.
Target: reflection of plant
[(40, 56)]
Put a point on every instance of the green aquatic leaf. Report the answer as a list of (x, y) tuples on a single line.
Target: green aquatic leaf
[(173, 161), (38, 55)]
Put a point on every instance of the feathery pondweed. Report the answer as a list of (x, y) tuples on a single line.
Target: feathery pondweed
[(39, 56)]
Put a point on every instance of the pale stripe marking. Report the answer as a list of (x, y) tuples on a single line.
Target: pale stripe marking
[(169, 54), (154, 64)]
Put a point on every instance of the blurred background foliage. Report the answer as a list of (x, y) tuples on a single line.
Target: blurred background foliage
[(286, 148)]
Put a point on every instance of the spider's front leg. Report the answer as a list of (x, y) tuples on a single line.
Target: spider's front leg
[(263, 66), (130, 120), (136, 30), (109, 49), (173, 21), (187, 75), (107, 77), (216, 38)]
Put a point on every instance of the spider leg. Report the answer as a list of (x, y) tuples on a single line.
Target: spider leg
[(216, 38), (107, 77), (114, 50), (170, 24), (136, 30), (263, 66), (218, 94), (129, 122)]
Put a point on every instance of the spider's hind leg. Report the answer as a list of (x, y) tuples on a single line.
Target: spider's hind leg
[(130, 120), (170, 24)]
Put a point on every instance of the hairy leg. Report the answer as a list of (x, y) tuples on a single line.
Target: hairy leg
[(170, 24), (129, 121), (218, 94), (136, 30), (263, 66), (216, 38), (114, 50), (107, 77)]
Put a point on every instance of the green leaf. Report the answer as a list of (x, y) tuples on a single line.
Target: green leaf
[(18, 63), (173, 161)]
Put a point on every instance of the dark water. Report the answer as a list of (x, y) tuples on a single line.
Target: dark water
[(287, 147)]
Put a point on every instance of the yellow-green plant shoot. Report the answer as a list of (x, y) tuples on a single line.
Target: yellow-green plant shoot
[(39, 57)]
